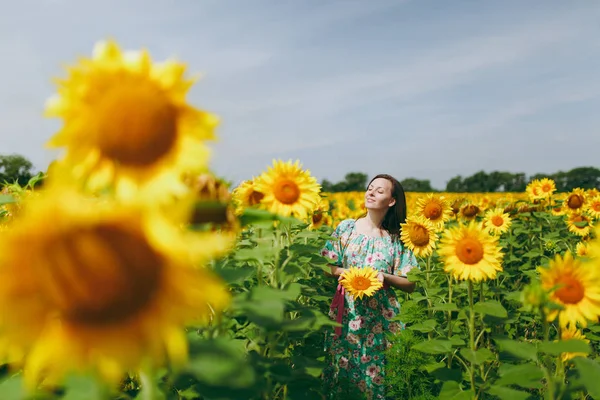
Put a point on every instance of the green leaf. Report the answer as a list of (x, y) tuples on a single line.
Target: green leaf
[(258, 253), (527, 376), (7, 199), (522, 350), (82, 387), (457, 340), (254, 216), (451, 391), (425, 326), (434, 346), (532, 253), (448, 374), (445, 307), (433, 366), (221, 362), (12, 388), (564, 346), (235, 275), (491, 307), (589, 371), (505, 393), (477, 357)]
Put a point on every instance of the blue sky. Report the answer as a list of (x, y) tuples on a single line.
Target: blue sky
[(425, 89)]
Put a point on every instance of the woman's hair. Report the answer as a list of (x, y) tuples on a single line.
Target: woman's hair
[(396, 214)]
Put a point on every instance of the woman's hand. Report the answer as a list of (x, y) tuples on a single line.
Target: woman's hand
[(380, 277)]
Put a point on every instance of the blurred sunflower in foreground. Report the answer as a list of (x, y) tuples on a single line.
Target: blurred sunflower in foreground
[(93, 285), (575, 285), (127, 125)]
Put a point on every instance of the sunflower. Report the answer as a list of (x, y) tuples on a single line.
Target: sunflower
[(127, 125), (558, 210), (533, 189), (246, 195), (320, 218), (575, 286), (572, 332), (496, 221), (582, 249), (360, 282), (469, 211), (418, 234), (579, 224), (540, 189), (469, 253), (91, 284), (575, 201), (593, 207), (593, 192), (320, 215), (547, 188), (288, 189), (436, 209)]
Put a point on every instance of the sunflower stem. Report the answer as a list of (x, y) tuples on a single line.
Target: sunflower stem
[(427, 285), (550, 393), (449, 316), (472, 338), (150, 390)]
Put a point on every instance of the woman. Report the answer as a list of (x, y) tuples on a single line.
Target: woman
[(355, 352)]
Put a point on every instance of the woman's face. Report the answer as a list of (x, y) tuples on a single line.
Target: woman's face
[(379, 195)]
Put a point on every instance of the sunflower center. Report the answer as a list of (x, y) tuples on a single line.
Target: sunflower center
[(419, 235), (361, 283), (575, 201), (596, 206), (255, 197), (136, 124), (469, 251), (546, 188), (432, 211), (101, 275), (317, 217), (286, 191), (497, 220), (571, 290)]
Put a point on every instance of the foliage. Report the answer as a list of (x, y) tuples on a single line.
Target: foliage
[(480, 182), (15, 168), (353, 181)]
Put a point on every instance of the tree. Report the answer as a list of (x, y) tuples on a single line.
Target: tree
[(15, 168), (416, 185), (353, 182), (456, 185)]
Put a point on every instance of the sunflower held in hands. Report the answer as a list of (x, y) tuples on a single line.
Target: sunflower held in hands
[(361, 282)]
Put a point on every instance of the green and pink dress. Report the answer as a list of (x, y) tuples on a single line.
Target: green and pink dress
[(356, 351)]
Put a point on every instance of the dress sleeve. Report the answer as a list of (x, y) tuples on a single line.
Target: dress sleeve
[(404, 260), (333, 247)]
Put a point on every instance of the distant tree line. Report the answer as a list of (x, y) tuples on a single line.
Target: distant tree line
[(15, 168), (496, 181)]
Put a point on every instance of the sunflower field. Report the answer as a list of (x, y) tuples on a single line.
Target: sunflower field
[(130, 270)]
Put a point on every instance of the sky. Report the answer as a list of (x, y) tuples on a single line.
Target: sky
[(413, 88)]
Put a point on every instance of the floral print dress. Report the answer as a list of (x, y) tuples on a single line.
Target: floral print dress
[(355, 354)]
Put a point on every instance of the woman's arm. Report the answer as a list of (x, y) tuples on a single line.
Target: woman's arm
[(399, 282)]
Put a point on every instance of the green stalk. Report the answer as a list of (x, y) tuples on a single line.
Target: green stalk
[(472, 338), (550, 393)]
